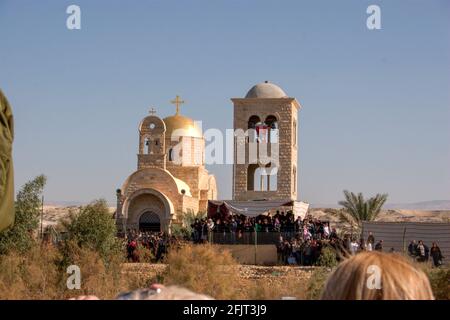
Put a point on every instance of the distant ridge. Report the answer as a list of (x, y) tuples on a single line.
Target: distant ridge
[(69, 203), (423, 205)]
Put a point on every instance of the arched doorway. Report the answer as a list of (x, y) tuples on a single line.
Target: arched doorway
[(149, 221)]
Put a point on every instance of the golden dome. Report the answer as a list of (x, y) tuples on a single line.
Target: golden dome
[(181, 122)]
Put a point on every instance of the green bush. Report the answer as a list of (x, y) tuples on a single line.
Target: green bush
[(19, 237), (327, 257), (94, 228), (181, 232), (184, 230)]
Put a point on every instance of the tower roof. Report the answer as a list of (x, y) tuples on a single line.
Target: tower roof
[(266, 90)]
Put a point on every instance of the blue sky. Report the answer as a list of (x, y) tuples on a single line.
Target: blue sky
[(376, 104)]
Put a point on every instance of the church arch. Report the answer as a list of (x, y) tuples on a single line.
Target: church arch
[(166, 204), (152, 125)]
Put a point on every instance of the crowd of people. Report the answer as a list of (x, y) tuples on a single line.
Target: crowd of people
[(157, 243), (238, 225), (300, 241), (307, 250)]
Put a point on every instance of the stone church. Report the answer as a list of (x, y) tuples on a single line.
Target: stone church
[(170, 179), (169, 183)]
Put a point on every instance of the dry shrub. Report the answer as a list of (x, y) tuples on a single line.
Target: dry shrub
[(316, 283), (440, 282), (204, 269), (40, 273), (275, 289), (32, 275), (98, 278), (145, 255), (439, 278)]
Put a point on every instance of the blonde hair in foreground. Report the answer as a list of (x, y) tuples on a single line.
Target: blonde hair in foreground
[(400, 280)]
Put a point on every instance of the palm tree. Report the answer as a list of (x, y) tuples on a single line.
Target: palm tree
[(357, 209)]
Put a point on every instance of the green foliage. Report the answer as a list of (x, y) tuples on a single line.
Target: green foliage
[(94, 228), (357, 209), (185, 230), (28, 204), (440, 282), (327, 257), (180, 231), (317, 282)]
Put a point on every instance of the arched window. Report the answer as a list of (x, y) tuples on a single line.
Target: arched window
[(262, 178), (252, 123), (272, 124), (148, 145), (170, 154)]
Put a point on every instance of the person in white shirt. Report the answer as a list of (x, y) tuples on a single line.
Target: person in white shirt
[(354, 247)]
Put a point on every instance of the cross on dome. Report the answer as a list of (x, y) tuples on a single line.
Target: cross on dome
[(177, 102)]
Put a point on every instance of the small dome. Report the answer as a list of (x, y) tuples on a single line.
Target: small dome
[(266, 90), (181, 122)]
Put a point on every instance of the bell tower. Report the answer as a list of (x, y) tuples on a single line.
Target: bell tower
[(265, 144), (152, 142)]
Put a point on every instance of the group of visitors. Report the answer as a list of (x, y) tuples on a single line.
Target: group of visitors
[(420, 252), (284, 222), (237, 226), (306, 251), (298, 251), (157, 243), (300, 241)]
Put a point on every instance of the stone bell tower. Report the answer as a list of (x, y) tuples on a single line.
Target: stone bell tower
[(268, 169), (151, 142)]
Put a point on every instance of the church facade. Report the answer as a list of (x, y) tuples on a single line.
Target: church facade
[(171, 178)]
